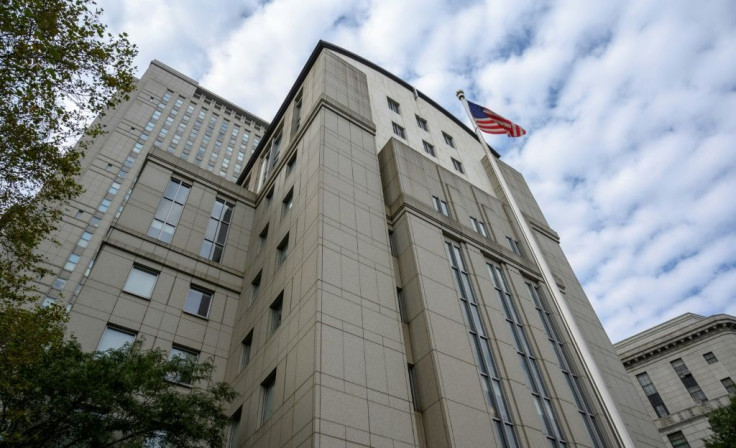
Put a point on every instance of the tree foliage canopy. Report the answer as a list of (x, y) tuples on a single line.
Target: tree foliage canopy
[(59, 68), (723, 423), (53, 394)]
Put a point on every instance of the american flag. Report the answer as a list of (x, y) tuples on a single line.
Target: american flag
[(492, 123)]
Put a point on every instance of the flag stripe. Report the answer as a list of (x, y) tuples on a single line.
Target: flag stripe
[(492, 123)]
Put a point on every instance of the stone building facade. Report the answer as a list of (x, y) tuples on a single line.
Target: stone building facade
[(683, 368), (358, 279)]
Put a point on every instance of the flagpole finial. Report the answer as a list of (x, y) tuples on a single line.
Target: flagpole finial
[(460, 94)]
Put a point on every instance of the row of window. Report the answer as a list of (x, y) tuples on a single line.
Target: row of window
[(422, 124), (687, 379), (441, 206), (141, 281), (169, 212)]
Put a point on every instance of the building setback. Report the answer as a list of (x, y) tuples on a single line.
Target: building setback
[(684, 368), (358, 279)]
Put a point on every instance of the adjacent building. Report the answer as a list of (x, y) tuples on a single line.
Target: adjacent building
[(351, 268), (685, 367)]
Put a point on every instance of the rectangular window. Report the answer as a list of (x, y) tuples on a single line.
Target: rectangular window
[(688, 381), (458, 165), (514, 245), (114, 338), (393, 105), (678, 440), (298, 111), (283, 250), (429, 149), (59, 283), (114, 188), (268, 387), (104, 205), (402, 305), (440, 206), (169, 211), (188, 358), (232, 441), (288, 202), (71, 263), (448, 139), (276, 310), (198, 301), (422, 123), (392, 244), (245, 350), (255, 286), (398, 130), (479, 226), (729, 385), (140, 281), (290, 164), (84, 240), (216, 233), (710, 357), (413, 388), (263, 237), (490, 380), (651, 391)]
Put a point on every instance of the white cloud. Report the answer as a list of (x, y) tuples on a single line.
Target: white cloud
[(629, 105)]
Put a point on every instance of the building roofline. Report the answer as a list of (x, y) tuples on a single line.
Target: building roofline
[(632, 354), (323, 45), (260, 121)]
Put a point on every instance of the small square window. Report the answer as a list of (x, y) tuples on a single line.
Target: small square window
[(198, 302), (678, 440), (398, 130), (458, 165), (514, 245), (393, 105), (71, 263), (429, 149), (276, 310), (114, 338), (268, 386), (729, 385), (710, 357), (104, 205), (246, 348), (80, 214), (188, 358), (59, 283), (422, 123), (283, 250), (479, 226), (140, 282), (448, 139)]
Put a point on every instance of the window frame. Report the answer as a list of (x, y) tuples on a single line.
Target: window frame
[(203, 293), (145, 270), (214, 242), (448, 139), (422, 123), (429, 148), (393, 105), (119, 330), (399, 130)]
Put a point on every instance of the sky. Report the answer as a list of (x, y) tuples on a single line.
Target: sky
[(630, 108)]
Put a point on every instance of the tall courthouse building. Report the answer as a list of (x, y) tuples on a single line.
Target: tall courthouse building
[(352, 269)]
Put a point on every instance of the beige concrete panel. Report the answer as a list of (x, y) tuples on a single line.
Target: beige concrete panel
[(459, 381), (344, 409)]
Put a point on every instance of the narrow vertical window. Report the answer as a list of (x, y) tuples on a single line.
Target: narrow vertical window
[(652, 394), (514, 245), (169, 211), (217, 228), (288, 202), (490, 380), (263, 237), (245, 350), (586, 411), (392, 243), (255, 287), (282, 251), (232, 441), (276, 310), (268, 389), (458, 165), (403, 314), (688, 381), (529, 365), (298, 111), (441, 206), (290, 164), (413, 388)]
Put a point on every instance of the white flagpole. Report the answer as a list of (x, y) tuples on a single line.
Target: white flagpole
[(578, 341)]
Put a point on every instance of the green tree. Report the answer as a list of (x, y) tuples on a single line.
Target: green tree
[(723, 423), (59, 68), (53, 394)]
